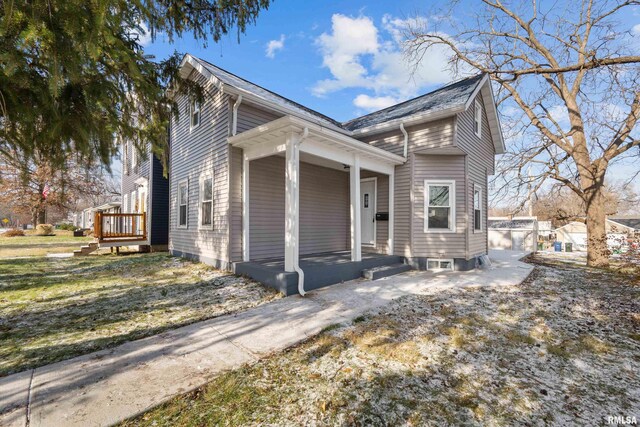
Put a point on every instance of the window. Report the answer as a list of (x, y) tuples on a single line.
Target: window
[(134, 158), (206, 202), (125, 158), (477, 208), (439, 206), (439, 264), (183, 200), (195, 114), (477, 120)]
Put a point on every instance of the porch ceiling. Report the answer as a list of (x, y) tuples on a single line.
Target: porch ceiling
[(270, 139)]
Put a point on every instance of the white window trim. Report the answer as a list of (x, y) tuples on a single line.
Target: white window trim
[(186, 222), (452, 208), (134, 157), (477, 118), (192, 105), (440, 260), (203, 178), (125, 157), (478, 188)]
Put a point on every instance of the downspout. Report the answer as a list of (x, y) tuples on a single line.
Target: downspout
[(234, 126), (296, 265), (406, 141)]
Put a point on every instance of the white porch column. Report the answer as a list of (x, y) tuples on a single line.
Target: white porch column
[(291, 202), (356, 230), (245, 208), (391, 222)]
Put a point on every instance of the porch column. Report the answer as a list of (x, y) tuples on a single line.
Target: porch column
[(245, 208), (291, 202), (391, 222), (356, 230)]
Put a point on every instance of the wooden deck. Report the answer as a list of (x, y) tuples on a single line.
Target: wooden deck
[(125, 228)]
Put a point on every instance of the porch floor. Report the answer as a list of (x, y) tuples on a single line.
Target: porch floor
[(320, 270)]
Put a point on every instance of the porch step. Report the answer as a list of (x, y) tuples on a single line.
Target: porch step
[(385, 271), (86, 249)]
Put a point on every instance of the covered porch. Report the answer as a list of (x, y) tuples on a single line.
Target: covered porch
[(302, 195)]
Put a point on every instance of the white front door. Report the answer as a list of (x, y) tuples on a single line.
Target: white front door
[(368, 210)]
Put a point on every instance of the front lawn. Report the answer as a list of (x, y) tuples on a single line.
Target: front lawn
[(31, 245), (563, 348), (53, 309)]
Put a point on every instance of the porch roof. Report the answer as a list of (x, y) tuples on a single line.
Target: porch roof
[(270, 138)]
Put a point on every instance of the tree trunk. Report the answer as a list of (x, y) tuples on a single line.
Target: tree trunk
[(597, 251)]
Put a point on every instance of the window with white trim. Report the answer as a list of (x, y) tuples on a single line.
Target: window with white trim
[(477, 119), (439, 264), (206, 201), (125, 157), (134, 157), (183, 200), (477, 208), (439, 200), (194, 113)]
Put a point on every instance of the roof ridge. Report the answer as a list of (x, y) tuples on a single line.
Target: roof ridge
[(334, 121), (447, 86)]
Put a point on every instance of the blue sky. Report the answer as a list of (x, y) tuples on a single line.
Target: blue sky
[(340, 58), (317, 49)]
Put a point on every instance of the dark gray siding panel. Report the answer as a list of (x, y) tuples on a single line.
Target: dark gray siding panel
[(159, 206), (324, 215)]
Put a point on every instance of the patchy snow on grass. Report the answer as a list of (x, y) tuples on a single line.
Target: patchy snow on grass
[(563, 348), (53, 309)]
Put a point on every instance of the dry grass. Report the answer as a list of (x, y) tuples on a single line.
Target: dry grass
[(53, 309), (561, 349)]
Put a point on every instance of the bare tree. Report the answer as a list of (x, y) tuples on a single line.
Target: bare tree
[(568, 84), (32, 185)]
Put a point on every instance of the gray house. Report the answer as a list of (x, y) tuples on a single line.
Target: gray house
[(264, 186), (145, 203)]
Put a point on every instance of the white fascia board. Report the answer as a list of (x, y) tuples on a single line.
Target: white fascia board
[(295, 124), (488, 101)]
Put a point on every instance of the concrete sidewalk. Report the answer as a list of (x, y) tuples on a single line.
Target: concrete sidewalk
[(105, 387)]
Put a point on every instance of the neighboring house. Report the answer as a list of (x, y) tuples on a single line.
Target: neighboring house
[(576, 233), (145, 190), (516, 233), (261, 185), (84, 219)]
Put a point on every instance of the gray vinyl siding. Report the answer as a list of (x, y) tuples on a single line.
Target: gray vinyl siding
[(409, 237), (382, 205), (248, 118), (480, 164), (194, 152), (439, 244), (324, 215)]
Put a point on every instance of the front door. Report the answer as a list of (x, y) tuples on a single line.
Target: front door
[(368, 211)]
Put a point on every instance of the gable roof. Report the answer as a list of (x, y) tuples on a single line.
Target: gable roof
[(627, 221), (446, 101), (453, 95), (515, 223)]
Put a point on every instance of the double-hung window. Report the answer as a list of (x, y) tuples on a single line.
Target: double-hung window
[(439, 200), (195, 114), (206, 202), (477, 119), (183, 201), (477, 208)]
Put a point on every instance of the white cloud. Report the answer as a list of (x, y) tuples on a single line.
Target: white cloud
[(636, 30), (275, 45), (143, 34), (358, 54), (372, 103)]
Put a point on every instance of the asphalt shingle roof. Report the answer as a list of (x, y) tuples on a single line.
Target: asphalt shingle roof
[(523, 224), (633, 222), (451, 95)]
